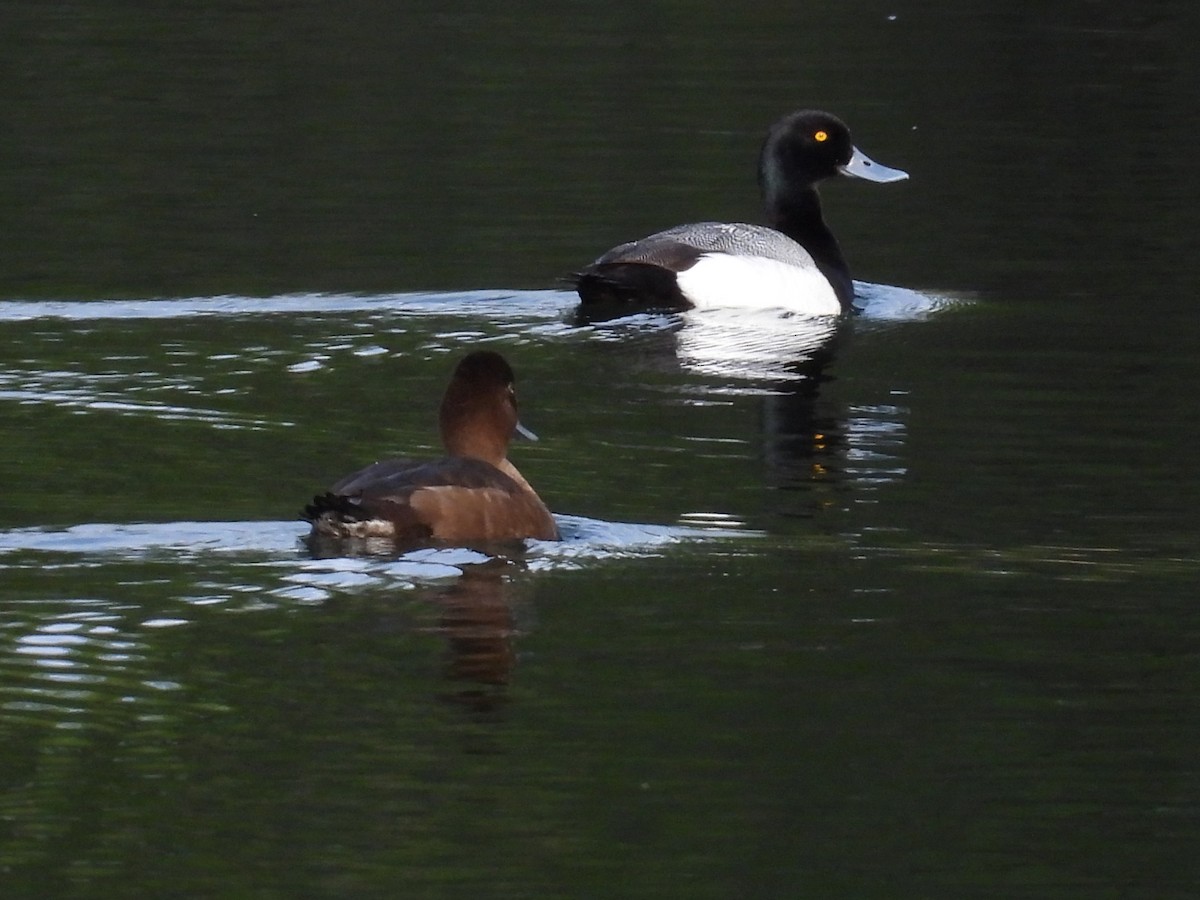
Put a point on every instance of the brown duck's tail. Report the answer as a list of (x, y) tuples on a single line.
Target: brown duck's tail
[(339, 505)]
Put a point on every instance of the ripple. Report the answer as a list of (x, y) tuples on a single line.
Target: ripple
[(749, 350), (136, 540), (90, 392), (266, 562), (57, 653), (1059, 562), (885, 303), (876, 302), (490, 304)]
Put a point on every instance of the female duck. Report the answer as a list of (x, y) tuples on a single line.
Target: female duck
[(472, 494), (795, 264)]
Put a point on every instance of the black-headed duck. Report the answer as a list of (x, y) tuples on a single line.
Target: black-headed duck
[(795, 264)]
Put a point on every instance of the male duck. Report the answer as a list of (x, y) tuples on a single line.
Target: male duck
[(795, 264), (473, 494)]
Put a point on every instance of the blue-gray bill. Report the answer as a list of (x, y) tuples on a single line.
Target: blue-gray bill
[(862, 166)]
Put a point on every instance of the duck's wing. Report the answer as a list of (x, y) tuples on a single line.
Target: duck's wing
[(452, 499), (645, 271), (401, 476), (680, 247)]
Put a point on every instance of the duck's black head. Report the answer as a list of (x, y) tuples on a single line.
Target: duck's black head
[(804, 148), (809, 146)]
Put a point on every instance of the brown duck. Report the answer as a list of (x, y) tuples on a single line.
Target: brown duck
[(473, 494)]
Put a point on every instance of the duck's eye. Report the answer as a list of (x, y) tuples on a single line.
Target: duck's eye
[(820, 136)]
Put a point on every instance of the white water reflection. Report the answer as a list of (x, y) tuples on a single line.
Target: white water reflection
[(885, 303), (165, 387), (765, 345), (141, 540), (56, 654), (182, 379), (277, 546), (488, 305), (875, 301), (85, 400), (59, 654), (751, 344)]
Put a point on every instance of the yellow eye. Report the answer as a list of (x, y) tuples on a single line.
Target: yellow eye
[(821, 136)]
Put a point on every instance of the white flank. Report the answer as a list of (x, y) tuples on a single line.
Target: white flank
[(756, 282)]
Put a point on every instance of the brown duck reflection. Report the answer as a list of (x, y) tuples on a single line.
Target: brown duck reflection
[(477, 616)]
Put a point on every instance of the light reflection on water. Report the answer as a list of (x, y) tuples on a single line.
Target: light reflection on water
[(62, 654), (61, 657), (63, 660), (549, 309), (1058, 562), (487, 305), (255, 548), (82, 399), (265, 564)]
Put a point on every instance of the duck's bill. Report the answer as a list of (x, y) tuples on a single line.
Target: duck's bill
[(862, 166), (526, 433)]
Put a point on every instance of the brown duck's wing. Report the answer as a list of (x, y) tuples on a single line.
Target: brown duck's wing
[(401, 476), (452, 499)]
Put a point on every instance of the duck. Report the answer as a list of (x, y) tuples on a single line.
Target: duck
[(473, 494), (793, 263)]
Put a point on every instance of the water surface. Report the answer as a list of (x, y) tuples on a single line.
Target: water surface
[(905, 609)]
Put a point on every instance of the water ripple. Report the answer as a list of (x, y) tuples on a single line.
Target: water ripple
[(251, 550), (488, 304)]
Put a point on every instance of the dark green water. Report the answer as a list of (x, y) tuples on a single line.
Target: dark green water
[(924, 626)]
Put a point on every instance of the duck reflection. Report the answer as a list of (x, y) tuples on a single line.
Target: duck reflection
[(477, 617), (803, 435), (813, 445), (747, 345), (476, 613)]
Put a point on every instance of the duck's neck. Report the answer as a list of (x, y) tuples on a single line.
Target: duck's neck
[(472, 437), (510, 470), (799, 217)]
